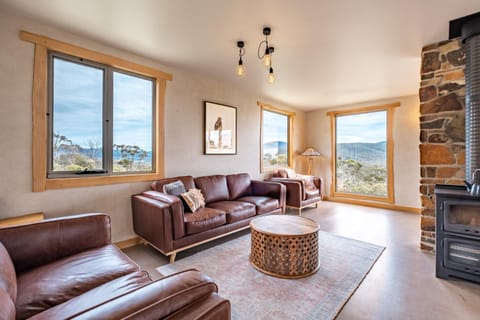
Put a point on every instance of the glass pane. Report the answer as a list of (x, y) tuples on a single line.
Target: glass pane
[(77, 116), (361, 150), (464, 215), (132, 119), (275, 140)]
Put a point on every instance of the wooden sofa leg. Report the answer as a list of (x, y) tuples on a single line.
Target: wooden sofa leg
[(299, 211), (172, 257)]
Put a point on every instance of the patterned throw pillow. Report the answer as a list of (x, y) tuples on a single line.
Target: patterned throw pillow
[(175, 188), (194, 199)]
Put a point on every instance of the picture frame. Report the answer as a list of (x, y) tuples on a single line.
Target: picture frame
[(220, 129)]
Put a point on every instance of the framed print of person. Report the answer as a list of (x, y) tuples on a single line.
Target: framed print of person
[(220, 136)]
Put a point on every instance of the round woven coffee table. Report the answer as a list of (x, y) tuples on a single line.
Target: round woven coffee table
[(285, 246)]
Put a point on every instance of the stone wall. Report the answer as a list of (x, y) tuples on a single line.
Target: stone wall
[(442, 127)]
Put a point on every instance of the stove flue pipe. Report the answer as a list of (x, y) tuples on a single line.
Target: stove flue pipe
[(471, 39)]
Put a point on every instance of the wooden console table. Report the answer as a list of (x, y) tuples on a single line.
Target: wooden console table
[(285, 246)]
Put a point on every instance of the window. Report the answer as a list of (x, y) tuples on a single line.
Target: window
[(276, 130), (362, 150), (94, 114), (100, 119)]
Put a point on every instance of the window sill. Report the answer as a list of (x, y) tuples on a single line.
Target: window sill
[(61, 183)]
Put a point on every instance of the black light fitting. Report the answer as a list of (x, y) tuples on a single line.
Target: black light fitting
[(264, 53), (240, 70)]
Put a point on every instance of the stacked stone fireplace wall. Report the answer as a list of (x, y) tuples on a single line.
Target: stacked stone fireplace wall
[(442, 127)]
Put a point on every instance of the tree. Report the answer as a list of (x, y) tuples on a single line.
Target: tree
[(130, 153)]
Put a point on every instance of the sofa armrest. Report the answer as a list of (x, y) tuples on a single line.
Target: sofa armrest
[(35, 244), (158, 299), (270, 189), (158, 218), (176, 210), (295, 190), (319, 184)]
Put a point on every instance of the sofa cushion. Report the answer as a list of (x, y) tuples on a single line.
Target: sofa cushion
[(263, 204), (8, 277), (214, 188), (175, 188), (239, 185), (204, 219), (54, 283), (187, 182), (95, 297), (194, 199), (311, 193), (235, 210)]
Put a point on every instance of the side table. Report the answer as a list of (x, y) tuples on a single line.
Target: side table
[(285, 246)]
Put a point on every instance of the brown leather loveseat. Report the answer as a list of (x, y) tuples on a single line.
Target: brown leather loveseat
[(230, 202), (67, 268)]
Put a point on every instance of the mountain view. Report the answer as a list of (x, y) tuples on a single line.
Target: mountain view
[(361, 168), (371, 153), (275, 153)]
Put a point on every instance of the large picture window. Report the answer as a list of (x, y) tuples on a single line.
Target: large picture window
[(97, 119), (363, 153), (276, 130), (100, 119)]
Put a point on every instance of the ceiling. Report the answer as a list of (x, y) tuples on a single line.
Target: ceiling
[(327, 52)]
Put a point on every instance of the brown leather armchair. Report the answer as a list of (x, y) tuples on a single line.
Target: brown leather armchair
[(302, 190), (67, 268)]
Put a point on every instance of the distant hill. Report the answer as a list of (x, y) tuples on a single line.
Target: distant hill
[(275, 147), (369, 153)]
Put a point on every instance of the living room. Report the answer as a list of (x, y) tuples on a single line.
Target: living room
[(187, 56)]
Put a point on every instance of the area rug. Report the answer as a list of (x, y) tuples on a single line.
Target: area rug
[(344, 263)]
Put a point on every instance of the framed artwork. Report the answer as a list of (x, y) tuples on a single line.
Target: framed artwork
[(220, 136)]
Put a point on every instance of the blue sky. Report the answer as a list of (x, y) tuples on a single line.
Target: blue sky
[(275, 127), (78, 98), (364, 127)]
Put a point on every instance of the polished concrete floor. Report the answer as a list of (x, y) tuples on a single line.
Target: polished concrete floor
[(401, 285)]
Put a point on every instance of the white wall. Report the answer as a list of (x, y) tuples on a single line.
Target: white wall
[(183, 132), (406, 152), (184, 127)]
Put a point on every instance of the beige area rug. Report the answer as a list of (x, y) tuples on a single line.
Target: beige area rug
[(254, 295)]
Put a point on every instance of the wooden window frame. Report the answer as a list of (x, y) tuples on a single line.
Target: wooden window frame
[(291, 115), (390, 109), (43, 45)]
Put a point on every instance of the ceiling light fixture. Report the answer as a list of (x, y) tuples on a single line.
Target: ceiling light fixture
[(266, 57), (240, 69), (264, 53)]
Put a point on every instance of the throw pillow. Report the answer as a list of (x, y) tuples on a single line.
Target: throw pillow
[(194, 199), (280, 172), (175, 188), (290, 173)]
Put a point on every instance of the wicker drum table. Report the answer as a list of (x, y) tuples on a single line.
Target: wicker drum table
[(285, 246)]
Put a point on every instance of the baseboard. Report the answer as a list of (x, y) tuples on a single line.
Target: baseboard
[(375, 205), (128, 243), (27, 218)]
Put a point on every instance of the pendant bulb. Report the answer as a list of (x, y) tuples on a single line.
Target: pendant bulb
[(240, 69), (267, 60), (271, 76)]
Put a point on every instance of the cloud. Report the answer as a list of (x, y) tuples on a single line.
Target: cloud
[(79, 102), (365, 127)]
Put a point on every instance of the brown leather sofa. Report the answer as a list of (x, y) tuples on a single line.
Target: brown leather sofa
[(302, 190), (67, 268), (231, 202)]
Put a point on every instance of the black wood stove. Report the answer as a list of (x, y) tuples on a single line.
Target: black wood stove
[(457, 234)]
